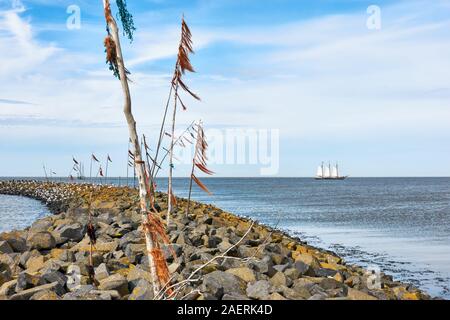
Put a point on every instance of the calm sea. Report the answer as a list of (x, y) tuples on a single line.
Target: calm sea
[(400, 225)]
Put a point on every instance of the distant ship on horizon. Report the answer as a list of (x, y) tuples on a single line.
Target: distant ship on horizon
[(329, 173)]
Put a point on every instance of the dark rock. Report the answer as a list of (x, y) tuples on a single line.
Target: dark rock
[(5, 273), (55, 276), (219, 283), (41, 241), (74, 232), (135, 252), (5, 247), (322, 272)]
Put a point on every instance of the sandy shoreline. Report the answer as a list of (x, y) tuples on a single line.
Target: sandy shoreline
[(38, 263)]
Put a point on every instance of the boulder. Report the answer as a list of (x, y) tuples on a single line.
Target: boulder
[(16, 239), (115, 282), (244, 273), (135, 252), (279, 279), (47, 295), (35, 263), (101, 272), (142, 291), (275, 296), (235, 297), (258, 290), (5, 247), (359, 295), (5, 273), (41, 241), (218, 283), (27, 280), (309, 260), (8, 288), (27, 294), (73, 232), (42, 225)]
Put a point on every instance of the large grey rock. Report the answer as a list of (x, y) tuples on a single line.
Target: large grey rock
[(55, 276), (5, 247), (42, 225), (115, 282), (74, 232), (134, 252), (8, 288), (142, 291), (219, 283), (101, 272), (258, 290), (16, 239), (27, 280), (27, 294), (5, 273), (41, 241)]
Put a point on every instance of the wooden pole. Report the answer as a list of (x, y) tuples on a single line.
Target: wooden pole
[(139, 164)]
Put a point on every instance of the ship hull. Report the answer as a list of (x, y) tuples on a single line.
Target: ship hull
[(337, 178)]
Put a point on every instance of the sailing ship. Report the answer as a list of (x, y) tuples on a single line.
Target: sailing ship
[(329, 173)]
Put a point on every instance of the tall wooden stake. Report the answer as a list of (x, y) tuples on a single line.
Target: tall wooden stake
[(139, 164)]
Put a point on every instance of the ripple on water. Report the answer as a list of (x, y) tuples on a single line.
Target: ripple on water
[(19, 212)]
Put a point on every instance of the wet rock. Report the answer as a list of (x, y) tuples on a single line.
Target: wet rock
[(258, 290), (219, 283), (41, 241)]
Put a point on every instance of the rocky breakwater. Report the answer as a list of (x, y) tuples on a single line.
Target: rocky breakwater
[(223, 256)]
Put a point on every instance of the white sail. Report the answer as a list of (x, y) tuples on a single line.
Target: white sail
[(334, 172), (326, 172), (320, 172)]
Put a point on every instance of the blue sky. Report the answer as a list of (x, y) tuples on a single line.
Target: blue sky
[(377, 101)]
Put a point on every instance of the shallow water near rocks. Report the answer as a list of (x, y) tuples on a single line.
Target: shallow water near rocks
[(17, 213), (401, 225)]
